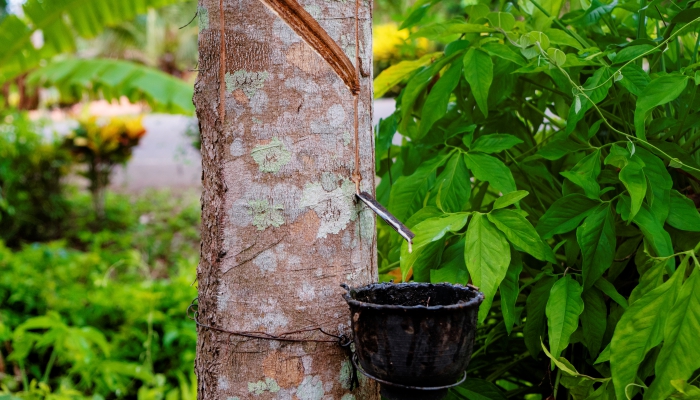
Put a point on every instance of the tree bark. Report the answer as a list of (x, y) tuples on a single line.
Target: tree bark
[(280, 227)]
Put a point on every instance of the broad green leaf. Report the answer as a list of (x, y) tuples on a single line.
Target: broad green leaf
[(686, 390), (510, 198), (660, 183), (682, 214), (428, 241), (632, 176), (585, 174), (565, 215), (502, 51), (595, 12), (533, 43), (492, 170), (521, 233), (114, 79), (417, 14), (444, 29), (502, 20), (563, 309), (487, 255), (596, 88), (640, 329), (395, 74), (680, 354), (478, 70), (495, 143), (634, 79), (556, 56), (535, 310), (561, 38), (509, 290), (652, 229), (596, 237), (408, 192), (435, 106), (417, 83), (610, 291), (453, 268), (559, 148), (479, 389), (631, 52), (454, 185), (659, 91), (593, 320), (687, 15)]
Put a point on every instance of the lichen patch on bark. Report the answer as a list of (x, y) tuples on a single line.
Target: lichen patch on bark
[(248, 82), (311, 389), (334, 207), (260, 387), (265, 214), (203, 15), (272, 156)]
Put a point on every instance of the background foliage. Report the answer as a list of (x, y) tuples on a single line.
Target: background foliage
[(550, 156)]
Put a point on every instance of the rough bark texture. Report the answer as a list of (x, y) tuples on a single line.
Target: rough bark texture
[(280, 229)]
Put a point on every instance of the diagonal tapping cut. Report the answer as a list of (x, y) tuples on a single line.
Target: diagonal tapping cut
[(304, 25)]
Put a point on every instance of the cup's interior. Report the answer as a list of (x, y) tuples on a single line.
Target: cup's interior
[(414, 294)]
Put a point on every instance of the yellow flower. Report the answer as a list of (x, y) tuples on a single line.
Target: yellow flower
[(387, 39)]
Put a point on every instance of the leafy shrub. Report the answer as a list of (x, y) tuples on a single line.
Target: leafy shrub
[(107, 320), (101, 144), (553, 162), (32, 203)]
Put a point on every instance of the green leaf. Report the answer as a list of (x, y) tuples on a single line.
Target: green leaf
[(428, 241), (502, 51), (454, 185), (535, 306), (453, 268), (651, 228), (563, 309), (495, 143), (416, 15), (682, 214), (686, 390), (561, 38), (435, 106), (395, 74), (680, 354), (596, 237), (510, 198), (556, 56), (502, 20), (641, 329), (416, 85), (632, 176), (487, 255), (478, 70), (479, 389), (660, 183), (597, 87), (585, 174), (686, 16), (593, 320), (610, 291), (634, 79), (559, 148), (565, 214), (492, 170), (521, 233), (113, 79), (659, 91), (509, 290), (444, 29), (408, 192), (631, 52)]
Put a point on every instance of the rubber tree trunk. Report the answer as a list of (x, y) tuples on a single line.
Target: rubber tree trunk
[(280, 228)]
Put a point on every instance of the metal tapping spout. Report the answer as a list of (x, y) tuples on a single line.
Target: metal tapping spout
[(384, 214)]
